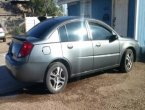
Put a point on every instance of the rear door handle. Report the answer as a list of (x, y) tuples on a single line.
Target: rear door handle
[(69, 46)]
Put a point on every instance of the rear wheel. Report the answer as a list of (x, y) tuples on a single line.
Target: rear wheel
[(127, 61), (4, 39), (56, 78)]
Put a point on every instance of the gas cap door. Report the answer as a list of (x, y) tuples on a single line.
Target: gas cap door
[(46, 50)]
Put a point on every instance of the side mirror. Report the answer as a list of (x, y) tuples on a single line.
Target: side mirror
[(113, 37)]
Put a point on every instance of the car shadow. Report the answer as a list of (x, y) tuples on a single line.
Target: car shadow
[(8, 43), (110, 71), (142, 60), (40, 89), (8, 85)]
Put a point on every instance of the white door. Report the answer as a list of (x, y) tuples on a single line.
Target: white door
[(120, 16)]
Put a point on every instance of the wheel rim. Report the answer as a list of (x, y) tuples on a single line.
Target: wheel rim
[(129, 60), (57, 78)]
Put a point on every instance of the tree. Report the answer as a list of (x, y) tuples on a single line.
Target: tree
[(45, 7)]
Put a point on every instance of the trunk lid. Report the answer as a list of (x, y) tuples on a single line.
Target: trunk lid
[(16, 45)]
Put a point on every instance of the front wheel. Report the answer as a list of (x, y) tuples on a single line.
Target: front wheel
[(56, 78), (127, 61)]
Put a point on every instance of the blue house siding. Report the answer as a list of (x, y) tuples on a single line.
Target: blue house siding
[(131, 18), (74, 9), (141, 25), (102, 10)]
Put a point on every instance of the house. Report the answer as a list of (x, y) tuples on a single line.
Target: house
[(127, 17)]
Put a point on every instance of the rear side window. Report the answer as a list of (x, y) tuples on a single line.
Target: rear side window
[(63, 34), (42, 29), (99, 32), (77, 31), (74, 31)]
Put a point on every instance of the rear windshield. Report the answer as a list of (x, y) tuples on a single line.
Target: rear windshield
[(42, 29)]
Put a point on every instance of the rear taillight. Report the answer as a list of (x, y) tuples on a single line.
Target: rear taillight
[(26, 49)]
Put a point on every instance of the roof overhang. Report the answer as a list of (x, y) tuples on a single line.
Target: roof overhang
[(19, 1), (65, 1)]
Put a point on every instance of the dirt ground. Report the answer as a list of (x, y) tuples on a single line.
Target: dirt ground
[(4, 45), (107, 90)]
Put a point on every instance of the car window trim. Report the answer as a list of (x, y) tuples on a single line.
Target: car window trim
[(101, 25), (65, 31)]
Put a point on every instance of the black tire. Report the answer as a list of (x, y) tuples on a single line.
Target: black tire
[(127, 61), (4, 39), (56, 78)]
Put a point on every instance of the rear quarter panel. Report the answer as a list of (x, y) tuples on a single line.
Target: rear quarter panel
[(42, 55)]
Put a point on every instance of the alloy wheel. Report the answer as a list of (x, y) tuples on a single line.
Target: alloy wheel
[(57, 78), (129, 60)]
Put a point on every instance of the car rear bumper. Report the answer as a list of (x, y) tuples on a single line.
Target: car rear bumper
[(26, 72)]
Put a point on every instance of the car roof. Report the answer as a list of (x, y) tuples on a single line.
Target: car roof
[(62, 19), (59, 20)]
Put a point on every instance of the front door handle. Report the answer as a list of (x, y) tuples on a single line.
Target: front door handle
[(98, 44), (69, 46)]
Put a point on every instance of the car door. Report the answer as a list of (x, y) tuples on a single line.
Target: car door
[(106, 49), (76, 46)]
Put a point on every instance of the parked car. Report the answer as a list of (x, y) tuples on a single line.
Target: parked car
[(2, 34), (60, 48)]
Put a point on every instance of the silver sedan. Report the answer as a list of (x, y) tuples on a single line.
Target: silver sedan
[(60, 48)]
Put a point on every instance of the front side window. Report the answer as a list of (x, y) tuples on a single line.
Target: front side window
[(77, 31), (99, 32)]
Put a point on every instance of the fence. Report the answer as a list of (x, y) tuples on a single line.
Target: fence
[(13, 24), (31, 22)]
